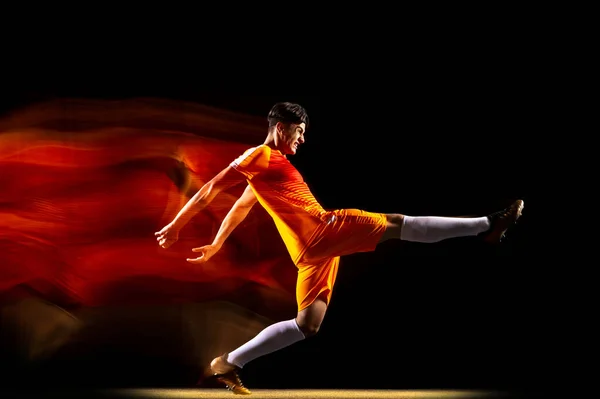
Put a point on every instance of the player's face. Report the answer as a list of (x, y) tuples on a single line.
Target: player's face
[(292, 137)]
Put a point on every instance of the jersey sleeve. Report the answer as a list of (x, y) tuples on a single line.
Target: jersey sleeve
[(252, 161)]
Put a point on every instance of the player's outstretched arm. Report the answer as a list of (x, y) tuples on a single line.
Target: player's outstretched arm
[(234, 217), (225, 179)]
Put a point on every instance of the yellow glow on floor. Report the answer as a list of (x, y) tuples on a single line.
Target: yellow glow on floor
[(309, 394)]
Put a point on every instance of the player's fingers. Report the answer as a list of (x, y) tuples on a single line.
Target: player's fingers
[(196, 261)]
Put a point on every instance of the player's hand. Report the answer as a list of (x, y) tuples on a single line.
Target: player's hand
[(167, 236), (206, 252)]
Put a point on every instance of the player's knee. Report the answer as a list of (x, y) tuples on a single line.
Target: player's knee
[(308, 328), (394, 226), (309, 320), (394, 219)]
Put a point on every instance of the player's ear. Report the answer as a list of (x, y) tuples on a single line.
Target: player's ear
[(279, 127)]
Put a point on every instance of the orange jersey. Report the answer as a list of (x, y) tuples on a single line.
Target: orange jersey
[(315, 238), (281, 190)]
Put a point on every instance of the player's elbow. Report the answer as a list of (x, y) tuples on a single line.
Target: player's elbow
[(206, 193)]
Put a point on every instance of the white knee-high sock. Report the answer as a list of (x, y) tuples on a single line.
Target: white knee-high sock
[(274, 337), (437, 228)]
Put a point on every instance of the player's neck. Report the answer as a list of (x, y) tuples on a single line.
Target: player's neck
[(270, 142)]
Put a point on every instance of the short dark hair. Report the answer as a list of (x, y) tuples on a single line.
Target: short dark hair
[(287, 112)]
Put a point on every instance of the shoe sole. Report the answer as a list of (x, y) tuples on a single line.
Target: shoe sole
[(232, 386)]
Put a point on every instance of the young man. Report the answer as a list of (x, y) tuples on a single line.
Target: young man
[(315, 238)]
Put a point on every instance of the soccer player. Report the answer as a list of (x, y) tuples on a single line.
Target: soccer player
[(314, 237)]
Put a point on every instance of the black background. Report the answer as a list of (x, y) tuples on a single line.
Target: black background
[(456, 314)]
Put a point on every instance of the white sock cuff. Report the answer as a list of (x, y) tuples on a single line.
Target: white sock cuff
[(407, 233), (296, 327)]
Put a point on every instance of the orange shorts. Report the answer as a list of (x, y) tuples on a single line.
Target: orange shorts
[(343, 232)]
